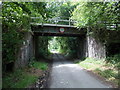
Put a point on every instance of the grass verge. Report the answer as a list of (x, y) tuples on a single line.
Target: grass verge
[(38, 65), (22, 78), (107, 70)]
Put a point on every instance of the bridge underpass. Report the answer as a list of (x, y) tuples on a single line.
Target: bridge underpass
[(60, 31), (62, 69), (88, 47)]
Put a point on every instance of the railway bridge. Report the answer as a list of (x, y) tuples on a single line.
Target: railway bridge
[(88, 46)]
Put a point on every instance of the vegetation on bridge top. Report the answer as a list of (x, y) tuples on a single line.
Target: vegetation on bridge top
[(97, 15)]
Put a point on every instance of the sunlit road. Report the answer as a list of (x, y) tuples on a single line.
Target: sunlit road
[(65, 74)]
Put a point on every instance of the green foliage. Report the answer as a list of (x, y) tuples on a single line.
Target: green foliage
[(43, 47), (11, 40), (26, 81), (65, 45), (91, 63), (61, 10), (16, 19), (18, 79), (38, 65), (115, 59), (95, 14), (21, 78), (66, 9), (68, 46), (107, 73), (53, 45), (103, 68)]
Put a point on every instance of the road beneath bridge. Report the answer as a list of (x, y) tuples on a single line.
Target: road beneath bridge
[(66, 74)]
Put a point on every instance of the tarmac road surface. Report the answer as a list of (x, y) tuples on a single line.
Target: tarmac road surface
[(66, 74)]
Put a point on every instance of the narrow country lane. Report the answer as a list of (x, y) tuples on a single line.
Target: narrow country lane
[(66, 74)]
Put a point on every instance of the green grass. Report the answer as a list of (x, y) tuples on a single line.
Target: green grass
[(25, 81), (39, 65), (90, 63), (101, 67), (21, 78), (18, 79)]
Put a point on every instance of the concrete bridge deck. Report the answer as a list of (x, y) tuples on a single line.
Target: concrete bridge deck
[(40, 29)]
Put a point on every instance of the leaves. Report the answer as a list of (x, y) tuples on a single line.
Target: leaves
[(65, 45), (15, 20), (92, 14)]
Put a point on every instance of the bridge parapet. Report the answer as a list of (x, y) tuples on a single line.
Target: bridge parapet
[(59, 21), (54, 26), (56, 21)]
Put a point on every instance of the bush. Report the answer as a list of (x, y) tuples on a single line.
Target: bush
[(115, 59), (38, 65)]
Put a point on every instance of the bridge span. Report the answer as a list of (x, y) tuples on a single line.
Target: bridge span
[(57, 30)]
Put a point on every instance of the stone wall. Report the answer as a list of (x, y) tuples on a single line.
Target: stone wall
[(26, 51), (92, 45), (96, 49)]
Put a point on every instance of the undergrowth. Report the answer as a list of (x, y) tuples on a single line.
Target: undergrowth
[(20, 78), (38, 65), (107, 68)]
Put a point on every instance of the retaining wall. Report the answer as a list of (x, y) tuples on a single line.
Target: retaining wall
[(26, 51)]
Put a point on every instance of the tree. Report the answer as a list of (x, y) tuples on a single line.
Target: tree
[(92, 14), (16, 19)]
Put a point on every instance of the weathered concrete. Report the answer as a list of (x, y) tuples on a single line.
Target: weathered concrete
[(96, 49), (90, 47), (95, 43), (49, 30), (26, 51)]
